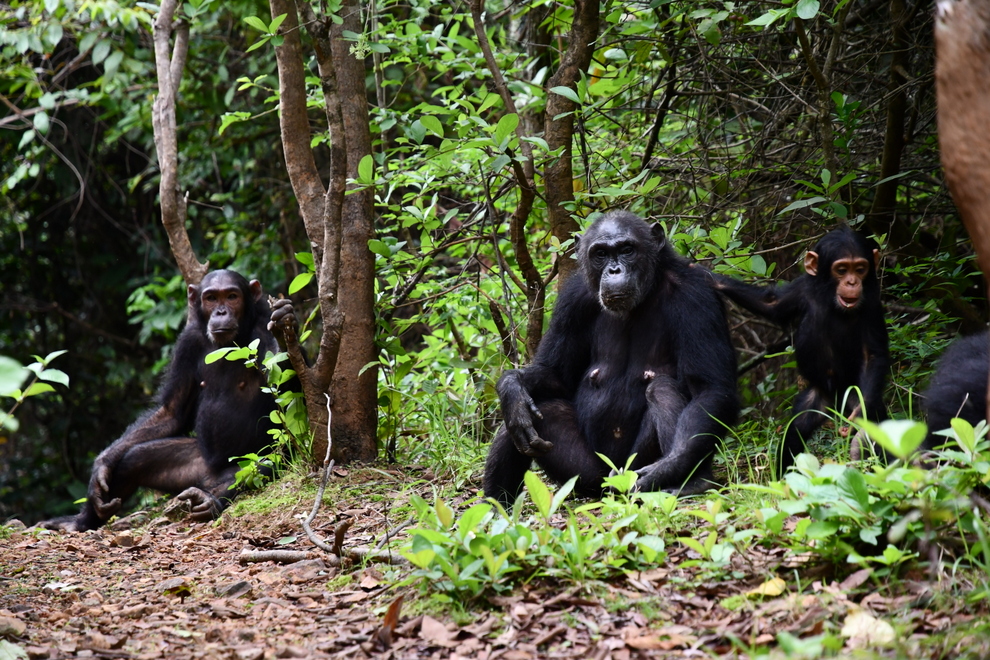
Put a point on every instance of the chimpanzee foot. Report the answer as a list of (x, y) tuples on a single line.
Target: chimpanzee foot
[(202, 505), (694, 486), (65, 524)]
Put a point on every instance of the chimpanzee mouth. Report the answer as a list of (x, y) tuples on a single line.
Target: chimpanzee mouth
[(222, 336), (618, 304), (848, 303)]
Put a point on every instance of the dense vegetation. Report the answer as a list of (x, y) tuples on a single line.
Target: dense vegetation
[(747, 128)]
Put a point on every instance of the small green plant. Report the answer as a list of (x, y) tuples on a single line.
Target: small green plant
[(40, 376), (883, 516)]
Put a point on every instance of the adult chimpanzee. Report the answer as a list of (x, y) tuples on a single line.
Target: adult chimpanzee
[(221, 403), (637, 359), (958, 386), (840, 338)]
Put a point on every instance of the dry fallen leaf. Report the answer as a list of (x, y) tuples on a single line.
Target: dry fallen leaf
[(863, 630), (772, 587), (432, 630)]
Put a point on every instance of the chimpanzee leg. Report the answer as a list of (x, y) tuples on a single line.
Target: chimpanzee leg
[(169, 465), (656, 435), (571, 455), (808, 414)]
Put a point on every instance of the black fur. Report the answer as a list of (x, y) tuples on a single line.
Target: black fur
[(205, 414), (636, 361), (836, 348), (958, 387)]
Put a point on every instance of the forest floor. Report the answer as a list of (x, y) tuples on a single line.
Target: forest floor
[(177, 590)]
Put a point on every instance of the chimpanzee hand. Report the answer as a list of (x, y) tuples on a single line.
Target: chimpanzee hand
[(99, 489), (520, 410), (203, 506), (283, 316)]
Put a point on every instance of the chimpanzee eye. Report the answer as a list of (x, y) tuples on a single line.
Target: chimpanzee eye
[(627, 250), (600, 253)]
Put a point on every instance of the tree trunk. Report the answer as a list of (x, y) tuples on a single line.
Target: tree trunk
[(559, 176), (885, 201), (355, 410), (169, 69)]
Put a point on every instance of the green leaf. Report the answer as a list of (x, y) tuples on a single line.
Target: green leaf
[(229, 118), (822, 529), (12, 375), (39, 388), (51, 356), (567, 93), (769, 18), (964, 434), (444, 514), (899, 437), (101, 51), (802, 203), (366, 171), (273, 28), (306, 259), (506, 126), (258, 44), (218, 354), (807, 9), (299, 282), (256, 23), (26, 138), (432, 124), (539, 493), (54, 376), (379, 247)]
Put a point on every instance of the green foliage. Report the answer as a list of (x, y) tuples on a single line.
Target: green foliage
[(39, 376), (881, 516)]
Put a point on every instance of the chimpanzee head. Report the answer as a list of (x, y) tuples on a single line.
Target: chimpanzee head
[(225, 304), (619, 255), (844, 265)]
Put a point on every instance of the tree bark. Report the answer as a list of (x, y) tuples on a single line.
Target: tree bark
[(323, 212), (559, 132), (885, 201), (355, 413), (169, 69)]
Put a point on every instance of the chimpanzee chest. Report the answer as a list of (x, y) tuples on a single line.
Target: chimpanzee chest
[(626, 354), (835, 364), (233, 413)]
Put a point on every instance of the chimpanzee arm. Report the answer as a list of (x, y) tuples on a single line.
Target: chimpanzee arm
[(876, 366), (706, 365), (556, 370), (778, 303)]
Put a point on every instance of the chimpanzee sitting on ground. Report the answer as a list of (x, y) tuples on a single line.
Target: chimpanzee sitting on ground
[(637, 359), (840, 338), (221, 403), (958, 387)]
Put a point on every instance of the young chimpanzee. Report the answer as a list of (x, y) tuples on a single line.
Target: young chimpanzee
[(958, 387), (637, 359), (221, 403), (839, 334)]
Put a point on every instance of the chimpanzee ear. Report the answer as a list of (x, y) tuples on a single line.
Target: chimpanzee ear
[(255, 290), (192, 293), (876, 260), (658, 234), (811, 263)]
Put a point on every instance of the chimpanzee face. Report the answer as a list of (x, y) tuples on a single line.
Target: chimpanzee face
[(847, 273), (617, 256), (221, 300)]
